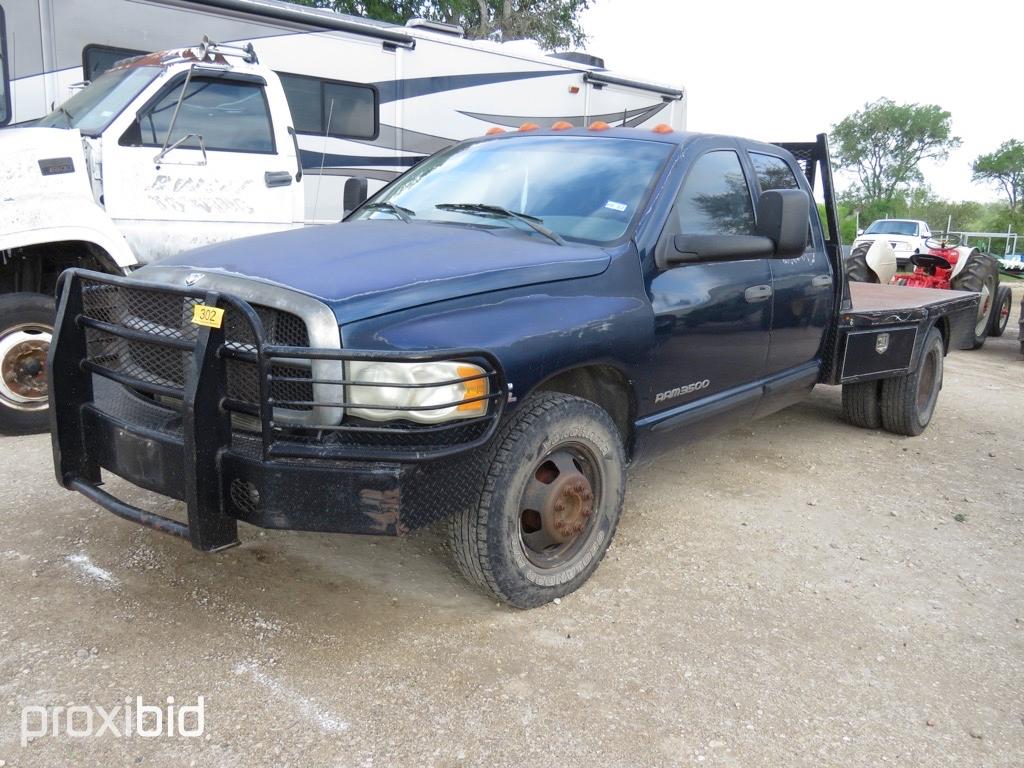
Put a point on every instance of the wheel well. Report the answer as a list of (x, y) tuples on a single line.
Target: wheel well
[(943, 325), (604, 385), (35, 268)]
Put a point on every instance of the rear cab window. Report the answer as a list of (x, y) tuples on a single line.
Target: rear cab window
[(775, 173), (5, 81)]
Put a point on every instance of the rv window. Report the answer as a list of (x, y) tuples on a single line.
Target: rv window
[(97, 59), (332, 108), (229, 115), (5, 99)]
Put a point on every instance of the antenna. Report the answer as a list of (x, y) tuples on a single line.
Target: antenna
[(623, 118), (323, 159)]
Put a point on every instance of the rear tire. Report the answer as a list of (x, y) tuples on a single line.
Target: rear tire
[(26, 327), (980, 275), (861, 404), (1001, 311), (908, 402), (857, 269), (551, 502)]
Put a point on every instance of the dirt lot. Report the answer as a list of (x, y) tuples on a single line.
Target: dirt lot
[(796, 593)]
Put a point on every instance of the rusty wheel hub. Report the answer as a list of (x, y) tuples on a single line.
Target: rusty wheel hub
[(557, 507), (23, 352)]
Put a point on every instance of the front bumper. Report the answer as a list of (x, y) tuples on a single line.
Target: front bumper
[(353, 478)]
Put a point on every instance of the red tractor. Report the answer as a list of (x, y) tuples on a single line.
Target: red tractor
[(945, 264)]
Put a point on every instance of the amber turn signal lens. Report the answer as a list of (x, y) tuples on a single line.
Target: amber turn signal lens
[(473, 389), (561, 125), (599, 125)]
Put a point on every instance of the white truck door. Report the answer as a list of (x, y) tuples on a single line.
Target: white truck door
[(222, 171)]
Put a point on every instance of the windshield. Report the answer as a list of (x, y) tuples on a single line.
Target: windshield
[(94, 107), (581, 188), (892, 227)]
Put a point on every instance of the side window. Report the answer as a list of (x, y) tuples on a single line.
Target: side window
[(331, 108), (5, 97), (715, 199), (229, 115), (773, 172), (97, 59)]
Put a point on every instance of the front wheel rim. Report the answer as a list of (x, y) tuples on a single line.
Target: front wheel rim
[(558, 509), (23, 352), (1004, 314)]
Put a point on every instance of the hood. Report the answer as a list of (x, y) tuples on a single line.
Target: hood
[(367, 268), (37, 167)]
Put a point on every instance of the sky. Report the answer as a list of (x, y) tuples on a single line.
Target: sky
[(786, 71)]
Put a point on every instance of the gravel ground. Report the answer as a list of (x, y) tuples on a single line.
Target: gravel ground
[(798, 592)]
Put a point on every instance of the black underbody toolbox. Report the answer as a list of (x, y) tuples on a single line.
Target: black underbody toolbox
[(199, 414)]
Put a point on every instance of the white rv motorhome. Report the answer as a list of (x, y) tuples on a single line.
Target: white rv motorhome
[(192, 144)]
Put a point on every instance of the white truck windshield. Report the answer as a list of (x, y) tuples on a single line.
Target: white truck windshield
[(94, 107), (892, 227)]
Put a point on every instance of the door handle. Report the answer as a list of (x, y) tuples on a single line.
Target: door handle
[(277, 178), (756, 293), (821, 281)]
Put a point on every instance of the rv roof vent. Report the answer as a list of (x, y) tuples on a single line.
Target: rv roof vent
[(579, 57), (437, 26)]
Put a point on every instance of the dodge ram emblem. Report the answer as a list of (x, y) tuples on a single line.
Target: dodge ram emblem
[(194, 278), (881, 343)]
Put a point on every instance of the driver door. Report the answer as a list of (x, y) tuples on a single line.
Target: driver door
[(199, 168)]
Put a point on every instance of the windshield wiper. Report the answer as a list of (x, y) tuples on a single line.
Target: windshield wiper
[(67, 115), (405, 214), (483, 209)]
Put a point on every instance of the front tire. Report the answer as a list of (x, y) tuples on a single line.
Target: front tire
[(26, 328), (1001, 312), (550, 505), (908, 402), (857, 269), (980, 275)]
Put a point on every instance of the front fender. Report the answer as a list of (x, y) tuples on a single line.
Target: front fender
[(535, 332), (31, 221)]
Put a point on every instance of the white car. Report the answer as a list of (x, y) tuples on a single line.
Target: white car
[(906, 236)]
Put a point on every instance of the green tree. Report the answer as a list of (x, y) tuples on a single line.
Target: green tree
[(884, 143), (1005, 168), (552, 23)]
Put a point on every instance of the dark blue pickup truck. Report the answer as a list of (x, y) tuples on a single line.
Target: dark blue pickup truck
[(492, 338)]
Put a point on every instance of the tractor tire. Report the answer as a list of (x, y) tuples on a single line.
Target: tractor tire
[(980, 275), (861, 404), (26, 327), (550, 504), (908, 402), (1001, 313), (857, 269)]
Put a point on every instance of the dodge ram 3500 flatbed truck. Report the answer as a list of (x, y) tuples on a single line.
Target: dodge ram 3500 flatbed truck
[(491, 338)]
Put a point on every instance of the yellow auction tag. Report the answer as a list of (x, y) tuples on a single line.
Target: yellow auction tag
[(211, 317)]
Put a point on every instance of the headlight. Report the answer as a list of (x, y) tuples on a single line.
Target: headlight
[(453, 399)]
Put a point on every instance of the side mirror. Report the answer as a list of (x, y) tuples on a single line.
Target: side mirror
[(782, 216), (354, 195), (860, 232), (689, 249)]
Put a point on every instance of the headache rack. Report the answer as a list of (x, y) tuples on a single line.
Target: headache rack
[(250, 384)]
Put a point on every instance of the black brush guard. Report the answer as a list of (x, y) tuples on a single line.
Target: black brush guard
[(159, 402)]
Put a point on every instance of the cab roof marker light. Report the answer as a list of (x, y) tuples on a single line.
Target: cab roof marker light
[(529, 127), (494, 131), (599, 125), (561, 125), (662, 128)]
